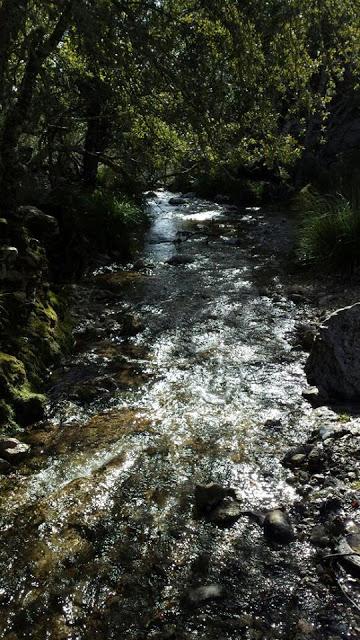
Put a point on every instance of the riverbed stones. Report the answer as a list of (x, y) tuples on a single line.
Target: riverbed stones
[(277, 527), (12, 450), (334, 362)]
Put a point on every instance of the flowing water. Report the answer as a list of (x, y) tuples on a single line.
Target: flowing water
[(183, 373)]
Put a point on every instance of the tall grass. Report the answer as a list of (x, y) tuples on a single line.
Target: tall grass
[(330, 230)]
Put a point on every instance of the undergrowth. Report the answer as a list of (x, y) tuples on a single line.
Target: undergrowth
[(330, 230)]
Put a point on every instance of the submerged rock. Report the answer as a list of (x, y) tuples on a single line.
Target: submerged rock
[(177, 201), (226, 513), (180, 259), (277, 526), (201, 595), (12, 450), (333, 364), (209, 496)]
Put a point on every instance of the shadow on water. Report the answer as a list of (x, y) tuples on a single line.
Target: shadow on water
[(183, 373)]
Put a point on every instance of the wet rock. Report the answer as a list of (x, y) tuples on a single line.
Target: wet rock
[(29, 409), (347, 545), (177, 201), (333, 365), (190, 196), (305, 336), (305, 628), (298, 295), (226, 513), (180, 259), (314, 397), (209, 496), (316, 459), (319, 537), (5, 467), (331, 505), (131, 325), (277, 526), (12, 450), (297, 456), (273, 423), (201, 595)]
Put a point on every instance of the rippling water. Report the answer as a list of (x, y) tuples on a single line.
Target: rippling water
[(183, 374)]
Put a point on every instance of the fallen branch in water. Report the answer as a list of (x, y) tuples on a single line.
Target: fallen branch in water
[(341, 555)]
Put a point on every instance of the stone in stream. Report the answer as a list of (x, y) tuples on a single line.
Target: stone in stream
[(333, 364), (177, 201), (277, 526), (12, 450), (226, 513), (210, 496), (180, 259), (319, 536), (202, 595), (5, 467), (297, 456)]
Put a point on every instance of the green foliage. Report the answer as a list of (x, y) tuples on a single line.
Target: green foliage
[(101, 219), (150, 89), (330, 233)]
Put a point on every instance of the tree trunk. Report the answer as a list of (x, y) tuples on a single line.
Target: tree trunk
[(16, 117), (12, 18), (95, 140)]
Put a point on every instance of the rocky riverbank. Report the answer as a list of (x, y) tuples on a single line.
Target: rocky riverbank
[(35, 321)]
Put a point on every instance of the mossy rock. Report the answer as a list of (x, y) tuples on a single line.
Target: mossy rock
[(12, 374), (29, 407)]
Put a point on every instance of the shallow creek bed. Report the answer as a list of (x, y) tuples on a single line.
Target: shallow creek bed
[(188, 370)]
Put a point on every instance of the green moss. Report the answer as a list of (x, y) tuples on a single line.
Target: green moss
[(12, 374), (46, 335)]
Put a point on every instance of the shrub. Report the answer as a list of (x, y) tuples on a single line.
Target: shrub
[(330, 230)]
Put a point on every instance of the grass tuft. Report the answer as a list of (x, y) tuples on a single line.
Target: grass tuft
[(330, 230)]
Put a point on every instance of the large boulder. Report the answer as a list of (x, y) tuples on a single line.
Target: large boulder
[(39, 223), (12, 450), (334, 362)]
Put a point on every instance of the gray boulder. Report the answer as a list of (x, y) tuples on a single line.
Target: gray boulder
[(334, 362)]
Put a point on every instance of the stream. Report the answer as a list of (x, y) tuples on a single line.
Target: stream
[(183, 373)]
